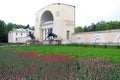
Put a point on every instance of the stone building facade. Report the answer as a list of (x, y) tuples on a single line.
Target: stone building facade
[(60, 18)]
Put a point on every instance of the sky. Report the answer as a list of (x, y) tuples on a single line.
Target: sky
[(86, 11)]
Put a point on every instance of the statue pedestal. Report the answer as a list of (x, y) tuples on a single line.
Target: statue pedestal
[(52, 42)]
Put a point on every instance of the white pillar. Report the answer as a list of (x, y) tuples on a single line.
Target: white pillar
[(43, 34)]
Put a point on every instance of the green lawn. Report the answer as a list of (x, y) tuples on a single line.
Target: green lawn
[(111, 53)]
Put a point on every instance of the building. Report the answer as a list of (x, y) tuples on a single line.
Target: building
[(60, 18), (18, 36)]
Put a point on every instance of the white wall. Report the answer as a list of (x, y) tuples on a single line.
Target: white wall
[(15, 36), (108, 36)]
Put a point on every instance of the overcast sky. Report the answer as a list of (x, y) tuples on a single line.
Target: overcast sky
[(87, 11)]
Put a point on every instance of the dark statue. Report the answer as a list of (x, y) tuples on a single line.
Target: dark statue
[(29, 32), (51, 34), (31, 36)]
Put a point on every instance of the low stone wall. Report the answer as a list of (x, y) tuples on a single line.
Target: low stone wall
[(109, 36)]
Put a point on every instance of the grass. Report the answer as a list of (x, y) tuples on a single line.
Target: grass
[(23, 63), (111, 53)]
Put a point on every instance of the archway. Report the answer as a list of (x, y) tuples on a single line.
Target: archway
[(46, 18), (117, 39), (98, 38), (46, 23)]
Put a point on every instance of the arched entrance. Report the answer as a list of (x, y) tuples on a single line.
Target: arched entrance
[(46, 23), (98, 38), (117, 39)]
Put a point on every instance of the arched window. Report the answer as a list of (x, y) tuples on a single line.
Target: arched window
[(117, 39), (98, 38), (47, 18)]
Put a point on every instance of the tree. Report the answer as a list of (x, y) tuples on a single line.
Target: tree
[(107, 25), (85, 29), (5, 28), (2, 30), (9, 27), (93, 27), (102, 25), (78, 29)]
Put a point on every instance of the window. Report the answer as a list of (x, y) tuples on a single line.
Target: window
[(68, 35), (16, 39), (16, 33), (119, 40), (21, 33)]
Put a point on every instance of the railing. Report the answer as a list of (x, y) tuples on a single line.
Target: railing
[(47, 23)]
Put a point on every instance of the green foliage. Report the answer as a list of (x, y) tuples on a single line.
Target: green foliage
[(102, 26), (2, 26), (78, 29), (111, 53), (5, 28), (2, 30), (29, 66)]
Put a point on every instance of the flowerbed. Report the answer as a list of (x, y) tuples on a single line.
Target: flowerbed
[(30, 66)]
